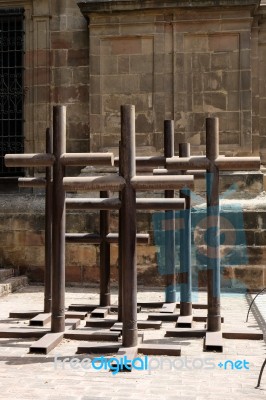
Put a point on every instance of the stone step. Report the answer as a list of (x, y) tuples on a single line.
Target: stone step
[(6, 273), (13, 284)]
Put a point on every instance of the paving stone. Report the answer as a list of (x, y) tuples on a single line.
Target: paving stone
[(37, 377)]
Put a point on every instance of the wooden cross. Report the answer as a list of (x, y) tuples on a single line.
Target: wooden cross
[(213, 164)]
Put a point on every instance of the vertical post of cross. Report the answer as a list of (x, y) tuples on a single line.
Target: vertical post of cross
[(170, 281), (185, 245), (213, 226), (127, 234), (48, 229), (104, 255), (120, 273), (58, 229)]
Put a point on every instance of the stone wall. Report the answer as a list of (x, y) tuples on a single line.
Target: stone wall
[(243, 244), (56, 70), (173, 60)]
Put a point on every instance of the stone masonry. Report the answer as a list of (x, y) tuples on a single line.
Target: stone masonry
[(180, 60)]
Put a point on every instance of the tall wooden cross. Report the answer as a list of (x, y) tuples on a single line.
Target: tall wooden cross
[(213, 163)]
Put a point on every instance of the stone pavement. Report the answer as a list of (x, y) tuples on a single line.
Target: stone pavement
[(193, 376)]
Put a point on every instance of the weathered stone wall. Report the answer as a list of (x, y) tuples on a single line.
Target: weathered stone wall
[(180, 61), (56, 70), (70, 70), (243, 244)]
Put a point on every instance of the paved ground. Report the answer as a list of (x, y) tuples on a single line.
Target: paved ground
[(195, 375)]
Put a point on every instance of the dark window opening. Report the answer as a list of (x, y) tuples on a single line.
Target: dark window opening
[(11, 87)]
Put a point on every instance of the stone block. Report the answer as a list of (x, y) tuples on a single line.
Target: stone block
[(251, 277), (231, 80), (74, 274), (144, 123), (146, 82), (77, 58), (59, 58), (34, 255), (245, 40), (141, 64), (35, 273), (91, 275), (123, 64), (81, 75), (77, 23), (61, 40), (260, 238), (81, 255), (114, 255), (80, 39), (215, 101), (78, 131), (62, 76), (201, 62), (245, 80), (233, 101), (130, 83), (223, 42), (123, 46), (112, 84)]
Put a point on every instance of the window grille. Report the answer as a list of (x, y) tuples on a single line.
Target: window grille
[(11, 86)]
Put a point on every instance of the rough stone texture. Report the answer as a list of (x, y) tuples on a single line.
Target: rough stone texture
[(56, 71), (243, 250), (191, 68)]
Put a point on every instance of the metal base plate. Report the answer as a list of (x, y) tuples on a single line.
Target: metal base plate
[(100, 323), (76, 314), (184, 321), (118, 326), (169, 317), (243, 334), (100, 312), (179, 332), (47, 343), (160, 349), (98, 349), (168, 308), (213, 341), (24, 314), (41, 319), (22, 333), (95, 336)]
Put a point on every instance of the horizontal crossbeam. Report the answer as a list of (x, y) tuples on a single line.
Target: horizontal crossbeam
[(108, 182), (92, 204), (167, 182), (238, 163), (221, 162), (84, 159), (91, 238), (159, 204), (142, 238), (163, 171), (31, 182), (152, 161), (115, 204), (184, 163), (83, 238), (29, 160)]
